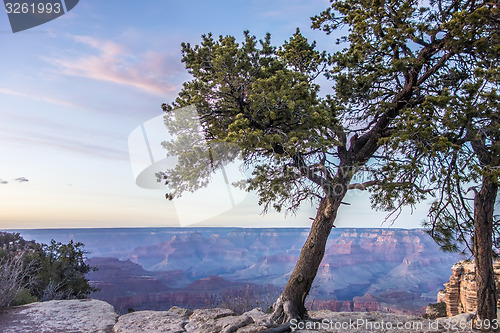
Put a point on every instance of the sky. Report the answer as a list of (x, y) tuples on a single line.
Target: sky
[(73, 90)]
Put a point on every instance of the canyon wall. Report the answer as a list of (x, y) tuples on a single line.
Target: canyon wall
[(367, 269), (392, 270), (460, 293)]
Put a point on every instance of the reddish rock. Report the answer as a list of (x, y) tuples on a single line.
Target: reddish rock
[(365, 303), (460, 293), (332, 305)]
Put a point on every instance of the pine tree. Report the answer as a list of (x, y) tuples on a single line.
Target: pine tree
[(264, 101)]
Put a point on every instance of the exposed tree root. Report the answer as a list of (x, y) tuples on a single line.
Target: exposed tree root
[(285, 311)]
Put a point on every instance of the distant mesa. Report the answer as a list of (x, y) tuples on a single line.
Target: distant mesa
[(389, 270), (392, 270)]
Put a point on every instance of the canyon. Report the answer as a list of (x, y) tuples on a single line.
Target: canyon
[(386, 269)]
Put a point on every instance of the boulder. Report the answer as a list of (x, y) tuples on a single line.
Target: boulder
[(460, 293), (258, 316), (69, 316), (92, 316), (172, 321), (211, 320)]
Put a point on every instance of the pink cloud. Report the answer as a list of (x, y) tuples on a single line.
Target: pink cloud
[(115, 63)]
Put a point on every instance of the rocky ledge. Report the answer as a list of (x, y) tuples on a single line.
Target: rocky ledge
[(460, 293), (93, 316), (75, 316)]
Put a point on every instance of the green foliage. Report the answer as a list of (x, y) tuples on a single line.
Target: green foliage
[(435, 310), (402, 61), (256, 102), (398, 73), (24, 296), (33, 271), (450, 142), (13, 242), (61, 271), (438, 53), (14, 279)]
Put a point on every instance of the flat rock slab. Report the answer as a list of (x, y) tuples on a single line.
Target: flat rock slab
[(173, 321), (217, 320), (68, 316)]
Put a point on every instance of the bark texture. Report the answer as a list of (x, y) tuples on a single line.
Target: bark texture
[(484, 203), (290, 304)]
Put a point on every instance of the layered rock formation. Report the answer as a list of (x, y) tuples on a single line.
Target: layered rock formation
[(460, 293), (372, 269), (127, 286), (386, 269)]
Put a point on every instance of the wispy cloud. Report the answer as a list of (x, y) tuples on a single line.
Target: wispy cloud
[(67, 144), (8, 91), (112, 62)]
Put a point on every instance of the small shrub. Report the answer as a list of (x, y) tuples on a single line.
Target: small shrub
[(435, 310), (30, 271), (23, 297), (15, 278)]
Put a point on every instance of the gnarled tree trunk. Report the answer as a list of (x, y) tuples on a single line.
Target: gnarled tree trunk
[(484, 203), (290, 304)]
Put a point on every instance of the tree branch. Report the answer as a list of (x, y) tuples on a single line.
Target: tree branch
[(365, 185), (308, 172)]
